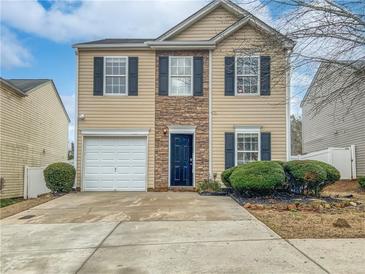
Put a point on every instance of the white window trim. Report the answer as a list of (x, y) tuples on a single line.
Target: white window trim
[(126, 76), (258, 76), (192, 75), (247, 130)]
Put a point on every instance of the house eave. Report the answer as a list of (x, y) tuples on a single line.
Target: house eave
[(181, 44), (14, 88), (108, 46)]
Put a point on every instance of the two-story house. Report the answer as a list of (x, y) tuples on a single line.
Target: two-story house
[(33, 130), (341, 122), (165, 113)]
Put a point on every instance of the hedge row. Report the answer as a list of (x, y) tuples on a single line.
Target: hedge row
[(306, 176)]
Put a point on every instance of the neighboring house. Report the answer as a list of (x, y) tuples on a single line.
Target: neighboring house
[(169, 112), (33, 130), (342, 122)]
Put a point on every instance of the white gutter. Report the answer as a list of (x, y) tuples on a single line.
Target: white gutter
[(288, 97), (76, 113), (210, 117)]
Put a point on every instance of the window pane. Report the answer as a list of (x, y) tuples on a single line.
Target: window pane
[(173, 62), (239, 66), (115, 85), (188, 62), (181, 71), (247, 147), (254, 66), (248, 66), (253, 84), (240, 159), (180, 86), (239, 84), (116, 66), (173, 70)]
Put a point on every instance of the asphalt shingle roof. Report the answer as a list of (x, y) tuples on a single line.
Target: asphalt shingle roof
[(117, 41), (26, 85)]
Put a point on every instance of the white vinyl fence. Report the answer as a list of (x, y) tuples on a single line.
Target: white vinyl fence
[(341, 158), (34, 183)]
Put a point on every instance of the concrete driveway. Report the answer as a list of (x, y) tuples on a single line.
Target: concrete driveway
[(150, 233)]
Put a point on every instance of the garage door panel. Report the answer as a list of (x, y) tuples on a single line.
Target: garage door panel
[(115, 163)]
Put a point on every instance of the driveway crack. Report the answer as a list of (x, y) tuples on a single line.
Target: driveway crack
[(97, 247)]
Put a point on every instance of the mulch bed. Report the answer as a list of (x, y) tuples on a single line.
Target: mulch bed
[(295, 216)]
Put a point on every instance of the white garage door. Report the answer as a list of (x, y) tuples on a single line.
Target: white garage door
[(115, 163)]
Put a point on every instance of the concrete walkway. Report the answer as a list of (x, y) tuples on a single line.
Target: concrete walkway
[(160, 233)]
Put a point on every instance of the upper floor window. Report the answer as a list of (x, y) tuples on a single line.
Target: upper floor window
[(181, 76), (116, 71), (247, 75), (248, 146)]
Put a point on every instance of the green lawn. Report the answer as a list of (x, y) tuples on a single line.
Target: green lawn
[(9, 201)]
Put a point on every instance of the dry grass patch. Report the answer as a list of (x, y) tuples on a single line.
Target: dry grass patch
[(311, 224), (345, 188)]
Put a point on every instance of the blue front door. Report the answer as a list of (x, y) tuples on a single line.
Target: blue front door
[(181, 165)]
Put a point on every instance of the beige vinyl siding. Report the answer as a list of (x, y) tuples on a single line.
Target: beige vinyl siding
[(208, 26), (33, 131), (332, 126), (268, 112), (117, 112)]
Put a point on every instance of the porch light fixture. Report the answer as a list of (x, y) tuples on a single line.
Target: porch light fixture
[(165, 131)]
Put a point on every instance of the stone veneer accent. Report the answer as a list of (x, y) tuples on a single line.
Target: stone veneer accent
[(182, 110)]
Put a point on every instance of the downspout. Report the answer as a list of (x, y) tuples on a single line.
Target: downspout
[(210, 115), (76, 114), (288, 96)]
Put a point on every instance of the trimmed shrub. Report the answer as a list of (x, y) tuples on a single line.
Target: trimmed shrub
[(225, 176), (59, 177), (260, 177), (333, 174), (361, 181), (305, 175)]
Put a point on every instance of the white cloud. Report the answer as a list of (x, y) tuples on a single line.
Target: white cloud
[(96, 19), (13, 53)]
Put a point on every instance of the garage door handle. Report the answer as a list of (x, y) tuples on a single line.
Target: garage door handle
[(115, 170)]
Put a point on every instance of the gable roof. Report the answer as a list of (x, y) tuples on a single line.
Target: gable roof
[(244, 17), (254, 21), (24, 86), (226, 4), (347, 64)]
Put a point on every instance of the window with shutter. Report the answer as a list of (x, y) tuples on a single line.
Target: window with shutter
[(247, 75)]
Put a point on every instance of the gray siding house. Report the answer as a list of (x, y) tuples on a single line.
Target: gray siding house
[(340, 123)]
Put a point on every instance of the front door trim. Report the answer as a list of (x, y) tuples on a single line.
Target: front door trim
[(181, 130)]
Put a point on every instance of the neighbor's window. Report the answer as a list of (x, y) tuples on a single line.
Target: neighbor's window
[(247, 71), (247, 147), (115, 75), (181, 76)]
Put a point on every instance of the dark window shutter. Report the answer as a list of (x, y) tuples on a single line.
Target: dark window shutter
[(265, 75), (132, 76), (229, 149), (98, 76), (163, 78), (198, 76), (229, 67), (265, 146)]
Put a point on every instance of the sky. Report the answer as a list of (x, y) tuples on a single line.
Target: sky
[(37, 36)]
